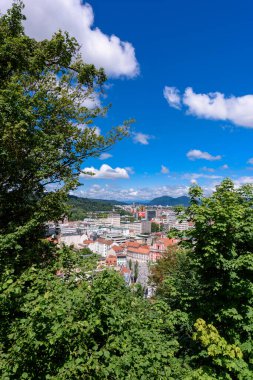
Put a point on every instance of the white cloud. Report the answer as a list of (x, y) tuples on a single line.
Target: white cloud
[(214, 105), (112, 191), (250, 161), (44, 17), (172, 96), (142, 138), (195, 176), (97, 131), (210, 170), (130, 169), (84, 126), (92, 101), (209, 106), (144, 193), (225, 166), (105, 171), (243, 181), (164, 169), (196, 154), (105, 156)]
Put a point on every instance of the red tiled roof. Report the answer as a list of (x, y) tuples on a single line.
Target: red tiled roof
[(167, 241), (124, 270), (111, 257), (117, 248), (104, 241), (132, 244), (87, 241), (144, 251)]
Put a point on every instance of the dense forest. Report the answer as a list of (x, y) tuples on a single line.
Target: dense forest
[(87, 324), (80, 208)]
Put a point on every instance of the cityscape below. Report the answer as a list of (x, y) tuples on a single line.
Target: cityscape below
[(128, 243)]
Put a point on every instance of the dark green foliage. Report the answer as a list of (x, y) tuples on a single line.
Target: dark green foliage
[(155, 227), (211, 276), (136, 271), (86, 326), (81, 207), (46, 131)]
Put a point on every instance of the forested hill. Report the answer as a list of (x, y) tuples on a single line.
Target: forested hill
[(81, 206), (170, 201)]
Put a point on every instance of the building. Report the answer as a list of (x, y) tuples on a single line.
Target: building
[(111, 261), (114, 220), (140, 227), (121, 259), (101, 246), (140, 254), (160, 247), (150, 214)]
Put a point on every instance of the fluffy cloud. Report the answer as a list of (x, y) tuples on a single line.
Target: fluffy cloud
[(225, 166), (172, 96), (44, 17), (130, 169), (105, 156), (214, 105), (164, 169), (117, 193), (196, 154), (250, 161), (147, 193), (243, 181), (195, 176), (105, 172), (141, 138)]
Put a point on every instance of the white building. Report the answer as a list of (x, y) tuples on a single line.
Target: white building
[(114, 219), (141, 227), (101, 246)]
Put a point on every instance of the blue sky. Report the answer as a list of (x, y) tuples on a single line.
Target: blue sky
[(200, 55)]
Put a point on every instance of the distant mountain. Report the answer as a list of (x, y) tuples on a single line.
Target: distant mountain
[(170, 201)]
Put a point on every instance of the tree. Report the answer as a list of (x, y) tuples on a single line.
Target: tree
[(82, 326), (136, 271), (221, 256), (60, 319), (46, 128), (155, 227), (215, 281)]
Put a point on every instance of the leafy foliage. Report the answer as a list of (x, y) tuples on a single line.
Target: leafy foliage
[(210, 278), (46, 129), (80, 207), (86, 326)]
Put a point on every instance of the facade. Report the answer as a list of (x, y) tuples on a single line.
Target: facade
[(121, 259), (150, 214), (137, 228), (138, 254), (160, 247), (114, 220), (101, 246)]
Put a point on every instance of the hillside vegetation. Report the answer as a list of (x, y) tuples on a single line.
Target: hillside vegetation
[(81, 207)]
